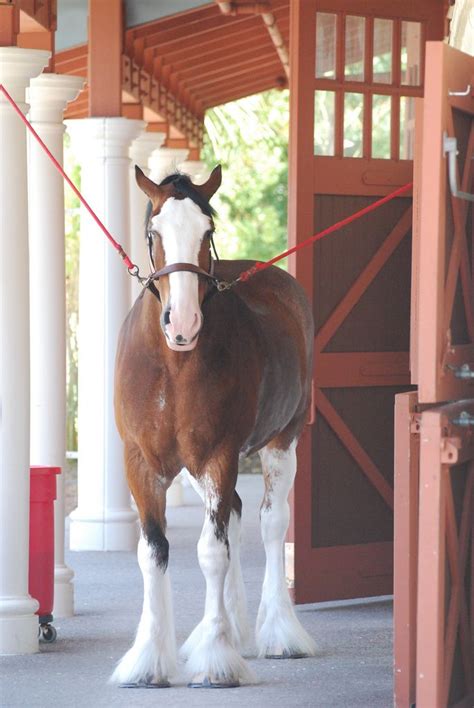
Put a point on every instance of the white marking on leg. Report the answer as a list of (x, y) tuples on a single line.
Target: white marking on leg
[(211, 654), (152, 658), (234, 590), (278, 629)]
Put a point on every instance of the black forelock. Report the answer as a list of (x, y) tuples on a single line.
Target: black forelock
[(184, 186)]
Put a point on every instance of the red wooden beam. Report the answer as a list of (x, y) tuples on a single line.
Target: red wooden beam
[(217, 28), (255, 57), (247, 89), (181, 61), (181, 19), (245, 86), (9, 25), (105, 57), (200, 85)]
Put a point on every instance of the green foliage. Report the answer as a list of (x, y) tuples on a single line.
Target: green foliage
[(249, 138)]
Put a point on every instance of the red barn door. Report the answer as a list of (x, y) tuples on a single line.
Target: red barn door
[(356, 68)]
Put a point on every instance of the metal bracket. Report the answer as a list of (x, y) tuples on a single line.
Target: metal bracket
[(463, 372), (465, 420), (450, 148), (461, 93), (449, 453)]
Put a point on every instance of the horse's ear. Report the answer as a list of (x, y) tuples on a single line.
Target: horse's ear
[(151, 189), (212, 185)]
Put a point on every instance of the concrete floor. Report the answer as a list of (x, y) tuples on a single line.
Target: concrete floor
[(353, 668)]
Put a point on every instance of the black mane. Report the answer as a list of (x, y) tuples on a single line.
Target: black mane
[(184, 186)]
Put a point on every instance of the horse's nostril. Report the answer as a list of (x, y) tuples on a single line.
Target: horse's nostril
[(166, 317), (179, 338)]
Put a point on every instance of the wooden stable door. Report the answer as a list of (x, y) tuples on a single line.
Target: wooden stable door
[(442, 353), (356, 69), (442, 349)]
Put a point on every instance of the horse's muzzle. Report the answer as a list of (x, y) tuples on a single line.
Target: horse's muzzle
[(181, 333)]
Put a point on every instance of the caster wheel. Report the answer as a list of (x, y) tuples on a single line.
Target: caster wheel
[(48, 633)]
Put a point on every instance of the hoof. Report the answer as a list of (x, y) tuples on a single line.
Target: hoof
[(286, 655), (208, 682), (143, 684)]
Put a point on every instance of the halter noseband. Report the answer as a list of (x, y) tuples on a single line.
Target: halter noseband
[(149, 283)]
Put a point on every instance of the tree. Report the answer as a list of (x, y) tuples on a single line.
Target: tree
[(249, 138)]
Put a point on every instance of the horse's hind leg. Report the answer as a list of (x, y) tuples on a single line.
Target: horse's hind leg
[(213, 661), (279, 633), (234, 590), (152, 658)]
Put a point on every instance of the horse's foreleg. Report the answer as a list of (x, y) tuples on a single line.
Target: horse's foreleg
[(212, 659), (152, 658), (279, 633), (234, 590)]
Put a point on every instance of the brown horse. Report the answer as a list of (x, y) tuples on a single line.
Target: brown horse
[(203, 377)]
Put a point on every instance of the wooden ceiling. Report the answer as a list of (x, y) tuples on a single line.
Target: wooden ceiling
[(179, 66)]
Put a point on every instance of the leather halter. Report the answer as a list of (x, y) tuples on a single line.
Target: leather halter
[(177, 268)]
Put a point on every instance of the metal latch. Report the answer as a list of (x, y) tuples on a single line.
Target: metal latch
[(450, 147), (465, 420), (463, 372)]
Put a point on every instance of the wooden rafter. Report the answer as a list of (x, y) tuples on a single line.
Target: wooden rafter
[(178, 66), (265, 11)]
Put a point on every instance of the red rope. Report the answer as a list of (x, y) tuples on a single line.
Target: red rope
[(246, 274), (99, 223), (335, 227)]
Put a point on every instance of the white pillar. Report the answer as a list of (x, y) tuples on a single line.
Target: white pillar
[(104, 519), (165, 161), (48, 95), (140, 151), (18, 623), (196, 169)]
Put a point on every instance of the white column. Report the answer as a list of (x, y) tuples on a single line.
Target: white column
[(140, 151), (104, 519), (196, 169), (18, 623), (165, 161), (48, 95)]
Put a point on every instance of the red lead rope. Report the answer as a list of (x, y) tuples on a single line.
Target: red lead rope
[(335, 227), (133, 269), (114, 243)]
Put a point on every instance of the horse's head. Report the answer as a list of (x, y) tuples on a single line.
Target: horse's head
[(180, 229)]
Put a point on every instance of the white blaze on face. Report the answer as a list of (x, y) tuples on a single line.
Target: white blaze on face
[(182, 225)]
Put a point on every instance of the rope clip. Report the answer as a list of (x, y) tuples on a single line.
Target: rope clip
[(223, 285)]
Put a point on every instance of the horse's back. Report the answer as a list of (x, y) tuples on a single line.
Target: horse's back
[(269, 285)]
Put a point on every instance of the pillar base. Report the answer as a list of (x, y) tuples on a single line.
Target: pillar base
[(63, 592), (18, 625), (118, 532)]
